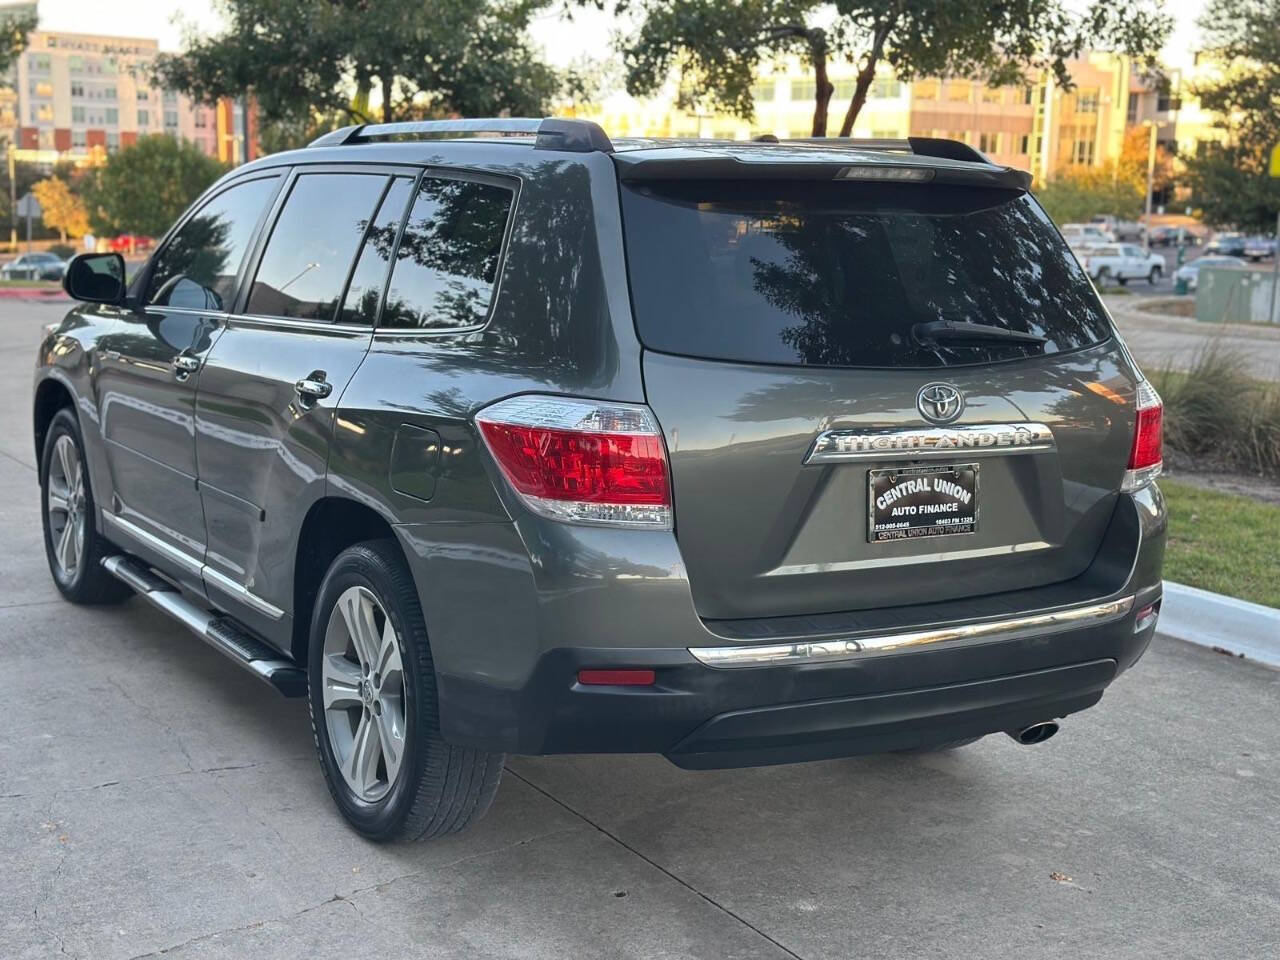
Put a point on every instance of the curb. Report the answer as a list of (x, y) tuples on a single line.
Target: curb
[(1221, 623), (34, 293)]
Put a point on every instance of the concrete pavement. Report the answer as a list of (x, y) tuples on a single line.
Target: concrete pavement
[(156, 800)]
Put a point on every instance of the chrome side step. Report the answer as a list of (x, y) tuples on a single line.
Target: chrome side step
[(219, 631)]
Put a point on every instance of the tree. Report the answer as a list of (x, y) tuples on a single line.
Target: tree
[(723, 43), (63, 210), (1229, 180), (312, 59), (1077, 193), (14, 28), (143, 188)]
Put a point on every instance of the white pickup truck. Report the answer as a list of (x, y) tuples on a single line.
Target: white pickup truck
[(1122, 262)]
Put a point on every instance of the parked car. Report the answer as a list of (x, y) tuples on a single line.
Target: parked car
[(37, 265), (130, 243), (1226, 244), (1259, 248), (482, 466), (1117, 229), (1123, 262), (1169, 236), (1190, 272), (1082, 236)]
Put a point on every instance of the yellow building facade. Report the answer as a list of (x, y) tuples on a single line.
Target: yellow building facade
[(1038, 126)]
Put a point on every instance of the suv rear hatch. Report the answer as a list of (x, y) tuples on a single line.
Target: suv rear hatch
[(798, 331)]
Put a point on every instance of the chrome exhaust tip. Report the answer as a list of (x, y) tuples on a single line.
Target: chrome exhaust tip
[(1036, 733)]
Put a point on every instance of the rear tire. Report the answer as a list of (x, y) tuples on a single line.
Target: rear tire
[(374, 711), (72, 544)]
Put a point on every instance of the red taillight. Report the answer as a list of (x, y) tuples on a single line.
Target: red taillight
[(617, 678), (581, 460), (1146, 455)]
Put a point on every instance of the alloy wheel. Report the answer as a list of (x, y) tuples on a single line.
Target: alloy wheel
[(365, 700), (65, 504)]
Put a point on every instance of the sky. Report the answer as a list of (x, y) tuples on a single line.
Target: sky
[(564, 43)]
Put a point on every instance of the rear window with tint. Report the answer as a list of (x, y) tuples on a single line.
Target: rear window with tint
[(838, 274)]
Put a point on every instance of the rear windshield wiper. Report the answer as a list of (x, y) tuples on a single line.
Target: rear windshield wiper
[(959, 331)]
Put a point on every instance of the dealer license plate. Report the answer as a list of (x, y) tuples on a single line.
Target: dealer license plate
[(933, 501)]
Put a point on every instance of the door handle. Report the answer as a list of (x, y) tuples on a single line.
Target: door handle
[(314, 387), (185, 364)]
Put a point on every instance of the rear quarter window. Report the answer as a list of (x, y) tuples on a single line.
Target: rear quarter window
[(839, 274)]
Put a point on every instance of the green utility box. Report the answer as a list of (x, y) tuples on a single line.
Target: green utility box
[(1234, 294)]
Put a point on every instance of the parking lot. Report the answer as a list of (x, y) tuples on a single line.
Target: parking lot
[(154, 799)]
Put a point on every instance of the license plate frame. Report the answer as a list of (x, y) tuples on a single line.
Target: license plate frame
[(940, 519)]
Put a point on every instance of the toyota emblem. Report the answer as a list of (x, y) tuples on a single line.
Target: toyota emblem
[(939, 402)]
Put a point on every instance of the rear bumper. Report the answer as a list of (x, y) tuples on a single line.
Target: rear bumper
[(706, 717), (507, 669)]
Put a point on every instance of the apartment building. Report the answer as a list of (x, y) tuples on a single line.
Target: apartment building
[(1037, 126), (79, 96)]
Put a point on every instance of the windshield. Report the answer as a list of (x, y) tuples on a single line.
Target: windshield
[(839, 274)]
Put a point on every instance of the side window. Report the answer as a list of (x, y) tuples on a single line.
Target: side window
[(447, 261), (312, 244), (198, 266), (361, 302)]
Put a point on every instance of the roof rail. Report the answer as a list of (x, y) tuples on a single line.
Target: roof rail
[(552, 133)]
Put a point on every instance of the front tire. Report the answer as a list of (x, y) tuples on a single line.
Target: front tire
[(72, 544), (1104, 274), (1154, 276), (374, 711)]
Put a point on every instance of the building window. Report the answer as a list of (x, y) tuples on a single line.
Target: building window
[(77, 88), (171, 119), (989, 142), (40, 88), (886, 89), (925, 90), (111, 115), (45, 140), (1082, 150), (803, 89), (144, 96), (202, 121), (1165, 103), (144, 119), (108, 93), (959, 91), (1131, 114), (764, 90), (1087, 101), (1024, 144), (75, 64), (844, 89), (170, 98), (77, 114), (113, 141), (990, 95), (1028, 95), (884, 134), (38, 63), (79, 140)]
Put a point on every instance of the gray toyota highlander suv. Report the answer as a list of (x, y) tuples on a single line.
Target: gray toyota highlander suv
[(500, 437)]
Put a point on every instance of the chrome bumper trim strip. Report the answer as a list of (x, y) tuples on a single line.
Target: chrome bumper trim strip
[(913, 443), (825, 651)]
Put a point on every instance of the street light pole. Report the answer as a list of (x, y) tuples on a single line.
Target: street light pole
[(13, 202)]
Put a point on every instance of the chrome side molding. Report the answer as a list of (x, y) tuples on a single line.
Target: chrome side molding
[(825, 651), (911, 443), (212, 578)]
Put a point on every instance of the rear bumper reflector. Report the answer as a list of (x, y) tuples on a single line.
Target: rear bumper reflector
[(821, 651)]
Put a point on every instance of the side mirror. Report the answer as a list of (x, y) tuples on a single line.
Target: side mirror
[(95, 278)]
